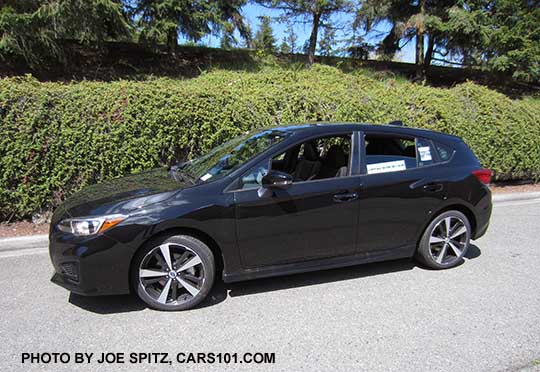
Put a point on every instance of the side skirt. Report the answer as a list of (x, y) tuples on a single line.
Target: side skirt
[(319, 264)]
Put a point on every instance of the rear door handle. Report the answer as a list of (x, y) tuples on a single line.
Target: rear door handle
[(345, 197), (433, 187)]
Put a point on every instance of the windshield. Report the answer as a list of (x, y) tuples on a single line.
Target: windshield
[(228, 157)]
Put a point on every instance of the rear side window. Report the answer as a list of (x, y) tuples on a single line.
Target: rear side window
[(389, 154), (394, 153)]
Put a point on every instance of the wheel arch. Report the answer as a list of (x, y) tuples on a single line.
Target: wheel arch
[(450, 207), (455, 207)]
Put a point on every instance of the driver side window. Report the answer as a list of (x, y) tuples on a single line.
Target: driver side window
[(315, 159), (318, 158)]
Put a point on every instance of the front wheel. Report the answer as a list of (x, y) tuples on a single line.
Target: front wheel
[(445, 241), (175, 273)]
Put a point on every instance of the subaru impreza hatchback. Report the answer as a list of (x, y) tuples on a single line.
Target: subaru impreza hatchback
[(271, 202)]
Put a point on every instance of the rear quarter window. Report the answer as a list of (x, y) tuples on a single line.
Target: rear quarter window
[(445, 152)]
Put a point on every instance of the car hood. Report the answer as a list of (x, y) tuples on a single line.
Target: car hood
[(121, 195)]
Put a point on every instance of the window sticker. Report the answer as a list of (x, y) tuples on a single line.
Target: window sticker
[(425, 153), (389, 166), (207, 176)]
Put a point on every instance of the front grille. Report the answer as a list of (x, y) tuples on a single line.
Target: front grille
[(70, 269)]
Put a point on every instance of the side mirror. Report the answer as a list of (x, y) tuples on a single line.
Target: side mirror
[(277, 180)]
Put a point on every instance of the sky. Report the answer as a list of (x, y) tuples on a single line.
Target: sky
[(253, 11)]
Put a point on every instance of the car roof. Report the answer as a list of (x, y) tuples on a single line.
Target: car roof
[(321, 127)]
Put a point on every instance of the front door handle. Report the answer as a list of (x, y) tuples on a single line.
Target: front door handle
[(345, 197), (433, 187)]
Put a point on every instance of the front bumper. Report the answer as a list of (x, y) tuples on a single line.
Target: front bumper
[(97, 265), (74, 286)]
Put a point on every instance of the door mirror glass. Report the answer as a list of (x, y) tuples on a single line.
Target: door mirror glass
[(277, 180)]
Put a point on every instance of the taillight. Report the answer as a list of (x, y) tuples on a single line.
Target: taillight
[(483, 175)]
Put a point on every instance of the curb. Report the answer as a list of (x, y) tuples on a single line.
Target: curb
[(24, 242), (497, 198), (42, 241)]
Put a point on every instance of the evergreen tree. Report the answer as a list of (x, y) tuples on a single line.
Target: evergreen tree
[(264, 38), (247, 42), (226, 41), (328, 41), (24, 31), (498, 35), (408, 20), (230, 19), (291, 38), (284, 48), (502, 36), (34, 28), (164, 20), (88, 21), (315, 12)]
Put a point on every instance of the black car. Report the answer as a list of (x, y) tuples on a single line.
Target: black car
[(271, 202)]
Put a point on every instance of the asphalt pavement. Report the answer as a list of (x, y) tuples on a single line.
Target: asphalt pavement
[(396, 316)]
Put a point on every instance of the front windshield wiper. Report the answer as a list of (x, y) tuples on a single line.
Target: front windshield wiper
[(176, 172), (181, 165)]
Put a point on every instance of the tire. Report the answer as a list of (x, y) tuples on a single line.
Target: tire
[(187, 283), (445, 241)]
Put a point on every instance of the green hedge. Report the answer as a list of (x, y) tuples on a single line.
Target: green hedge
[(55, 138)]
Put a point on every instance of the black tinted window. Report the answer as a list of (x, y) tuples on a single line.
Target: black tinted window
[(319, 158), (389, 154)]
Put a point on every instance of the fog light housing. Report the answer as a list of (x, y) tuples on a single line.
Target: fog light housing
[(70, 270)]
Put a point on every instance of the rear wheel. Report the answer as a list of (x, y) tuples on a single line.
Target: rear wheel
[(175, 273), (445, 241)]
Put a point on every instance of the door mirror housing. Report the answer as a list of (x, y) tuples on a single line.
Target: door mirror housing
[(277, 180)]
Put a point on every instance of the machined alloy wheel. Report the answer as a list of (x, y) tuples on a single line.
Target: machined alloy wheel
[(175, 274), (445, 240)]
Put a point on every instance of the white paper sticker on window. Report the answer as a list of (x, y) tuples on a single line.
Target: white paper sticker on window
[(207, 176), (389, 166), (425, 153)]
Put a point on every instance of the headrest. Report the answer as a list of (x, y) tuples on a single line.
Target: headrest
[(309, 152), (335, 157)]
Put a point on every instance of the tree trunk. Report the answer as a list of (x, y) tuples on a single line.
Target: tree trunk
[(420, 43), (313, 38), (390, 44), (419, 55), (429, 54), (172, 40)]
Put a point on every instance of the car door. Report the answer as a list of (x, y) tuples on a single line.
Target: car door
[(398, 195), (310, 220)]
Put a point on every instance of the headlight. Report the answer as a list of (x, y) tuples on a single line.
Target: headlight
[(90, 225)]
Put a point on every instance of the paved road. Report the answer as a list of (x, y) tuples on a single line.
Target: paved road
[(481, 316)]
